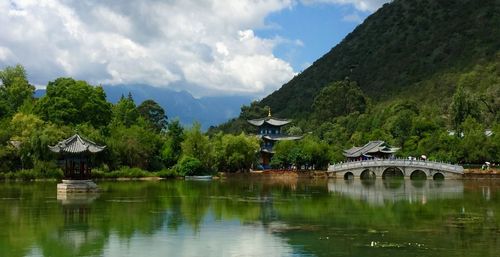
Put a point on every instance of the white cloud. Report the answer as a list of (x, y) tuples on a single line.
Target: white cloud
[(362, 5), (208, 46)]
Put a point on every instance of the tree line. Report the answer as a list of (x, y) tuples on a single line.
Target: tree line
[(139, 138), (464, 129)]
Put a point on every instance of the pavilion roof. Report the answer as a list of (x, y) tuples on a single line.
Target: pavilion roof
[(269, 120), (76, 144), (370, 148)]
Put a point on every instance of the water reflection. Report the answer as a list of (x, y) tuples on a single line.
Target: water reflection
[(254, 218), (75, 234), (379, 192)]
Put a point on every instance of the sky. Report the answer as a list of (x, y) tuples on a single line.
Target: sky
[(206, 47)]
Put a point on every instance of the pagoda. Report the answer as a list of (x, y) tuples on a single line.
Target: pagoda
[(270, 131), (371, 150), (75, 155)]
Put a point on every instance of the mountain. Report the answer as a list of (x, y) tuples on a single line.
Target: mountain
[(208, 111), (412, 49)]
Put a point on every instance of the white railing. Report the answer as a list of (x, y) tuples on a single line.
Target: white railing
[(342, 166)]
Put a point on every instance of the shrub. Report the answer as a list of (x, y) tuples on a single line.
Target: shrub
[(26, 175), (190, 166), (123, 172), (168, 173), (47, 169)]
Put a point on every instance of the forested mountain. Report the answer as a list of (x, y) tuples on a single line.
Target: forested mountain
[(404, 48), (412, 74)]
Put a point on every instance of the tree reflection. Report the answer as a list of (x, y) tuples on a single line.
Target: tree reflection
[(305, 213)]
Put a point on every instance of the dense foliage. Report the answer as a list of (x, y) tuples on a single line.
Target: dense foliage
[(421, 75), (139, 139), (403, 44)]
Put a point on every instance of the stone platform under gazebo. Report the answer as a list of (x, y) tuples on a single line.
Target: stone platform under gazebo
[(75, 153)]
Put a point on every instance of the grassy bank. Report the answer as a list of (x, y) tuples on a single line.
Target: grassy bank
[(57, 174)]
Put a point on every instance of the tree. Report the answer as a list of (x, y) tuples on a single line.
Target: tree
[(197, 145), (33, 136), (125, 112), (462, 106), (235, 153), (474, 142), (294, 131), (401, 126), (285, 154), (15, 89), (171, 150), (134, 146), (69, 101), (491, 100), (338, 99), (317, 152), (190, 166), (152, 112)]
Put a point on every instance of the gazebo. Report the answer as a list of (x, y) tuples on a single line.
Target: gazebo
[(75, 155)]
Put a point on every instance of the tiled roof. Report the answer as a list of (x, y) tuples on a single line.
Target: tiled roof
[(76, 144), (370, 147), (269, 120)]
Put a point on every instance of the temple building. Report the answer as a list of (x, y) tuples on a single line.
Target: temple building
[(270, 131), (372, 150), (75, 153)]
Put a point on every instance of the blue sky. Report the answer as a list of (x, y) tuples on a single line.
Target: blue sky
[(206, 47), (318, 27)]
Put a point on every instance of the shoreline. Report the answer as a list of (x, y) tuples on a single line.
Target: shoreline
[(270, 174)]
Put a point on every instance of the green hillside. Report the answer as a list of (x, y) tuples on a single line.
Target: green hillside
[(411, 74), (397, 49)]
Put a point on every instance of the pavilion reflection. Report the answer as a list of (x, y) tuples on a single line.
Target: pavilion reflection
[(75, 234), (380, 192)]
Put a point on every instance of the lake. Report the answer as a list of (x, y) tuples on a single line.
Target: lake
[(246, 217)]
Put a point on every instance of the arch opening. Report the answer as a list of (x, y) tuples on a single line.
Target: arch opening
[(418, 175), (393, 173), (348, 176), (367, 175), (438, 176)]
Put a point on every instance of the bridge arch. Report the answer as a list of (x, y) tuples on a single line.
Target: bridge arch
[(367, 174), (348, 175), (418, 175), (376, 168), (392, 172), (438, 176)]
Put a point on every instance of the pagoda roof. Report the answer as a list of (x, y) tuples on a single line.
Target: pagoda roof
[(370, 148), (280, 137), (76, 144), (269, 120)]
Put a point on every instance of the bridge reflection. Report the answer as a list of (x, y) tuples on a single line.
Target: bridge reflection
[(380, 192)]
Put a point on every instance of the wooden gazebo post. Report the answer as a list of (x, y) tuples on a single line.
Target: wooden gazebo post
[(76, 153)]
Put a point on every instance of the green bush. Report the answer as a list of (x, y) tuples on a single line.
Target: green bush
[(123, 172), (98, 174), (10, 176), (47, 169), (167, 173), (190, 166), (27, 175)]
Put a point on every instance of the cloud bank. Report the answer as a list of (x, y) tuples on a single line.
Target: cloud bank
[(204, 46)]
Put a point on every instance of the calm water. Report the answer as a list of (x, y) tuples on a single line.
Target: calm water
[(254, 218)]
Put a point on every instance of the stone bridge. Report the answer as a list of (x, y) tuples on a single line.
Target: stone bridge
[(370, 169)]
